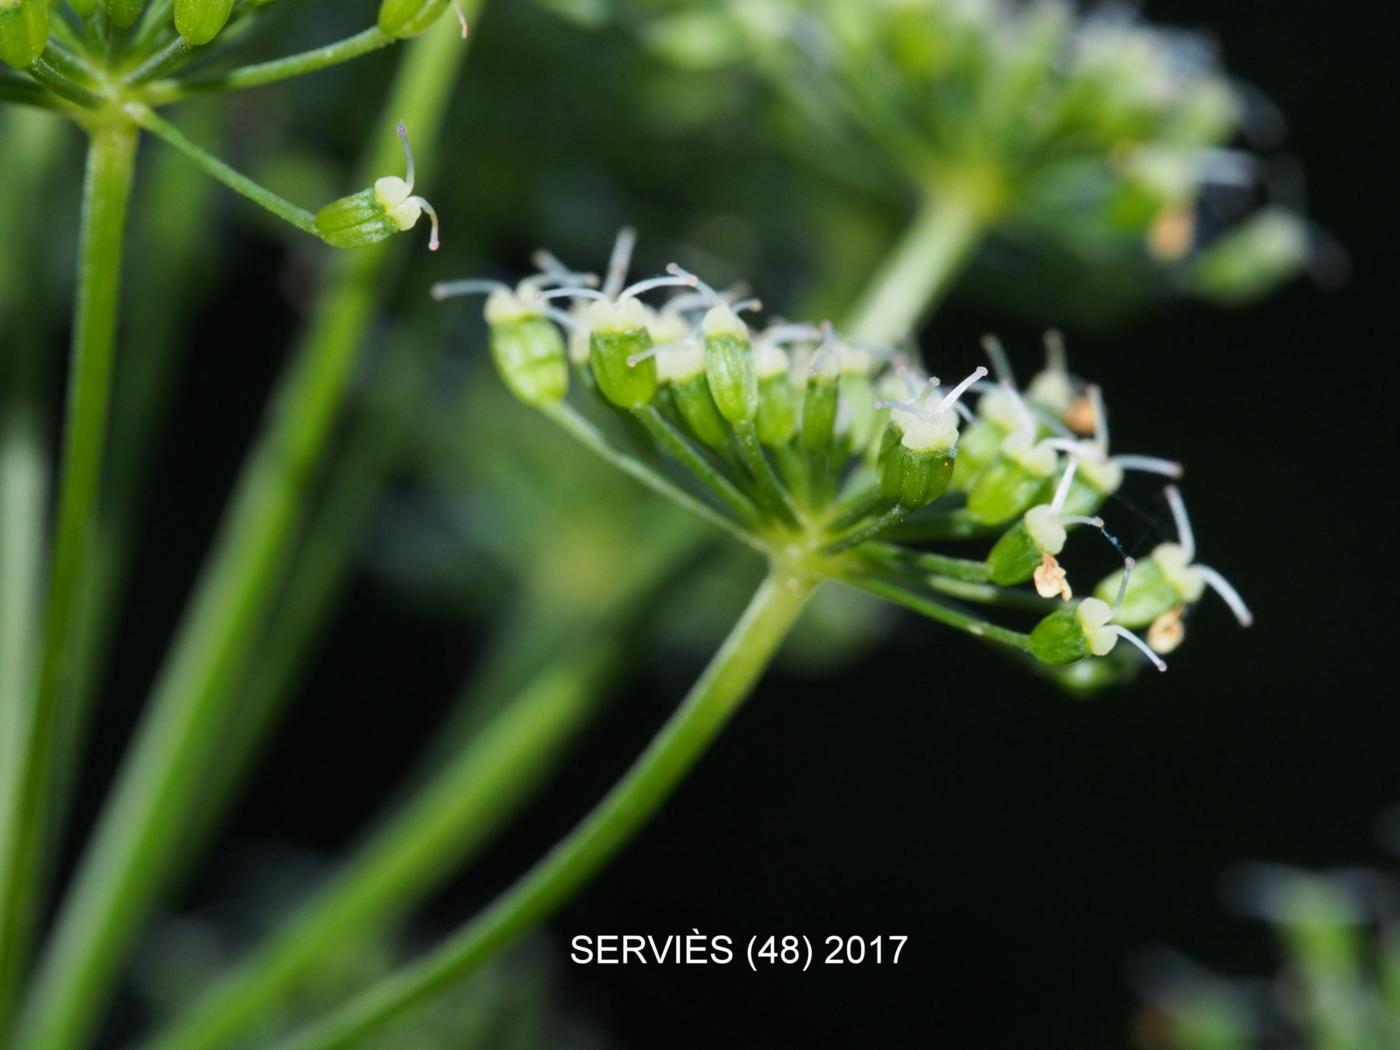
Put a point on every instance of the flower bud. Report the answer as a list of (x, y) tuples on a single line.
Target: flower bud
[(200, 21), (617, 352), (778, 401), (401, 19), (24, 31), (729, 365), (528, 350), (1069, 635), (1012, 483), (376, 214), (124, 13)]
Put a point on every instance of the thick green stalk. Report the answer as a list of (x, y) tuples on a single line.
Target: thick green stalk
[(124, 870), (918, 272), (24, 820), (719, 692), (440, 827)]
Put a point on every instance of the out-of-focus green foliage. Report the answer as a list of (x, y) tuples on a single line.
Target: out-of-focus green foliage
[(1338, 989)]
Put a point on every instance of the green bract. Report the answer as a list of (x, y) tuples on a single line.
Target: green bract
[(24, 31), (200, 21)]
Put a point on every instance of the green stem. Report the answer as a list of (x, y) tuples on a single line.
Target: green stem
[(918, 272), (217, 169), (271, 72), (590, 436), (964, 569), (755, 460), (163, 61), (888, 520), (681, 450), (125, 868), (944, 614), (440, 827), (23, 93), (60, 85), (24, 822), (715, 697)]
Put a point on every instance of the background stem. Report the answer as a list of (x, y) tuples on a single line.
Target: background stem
[(24, 824), (918, 272), (719, 692), (125, 868)]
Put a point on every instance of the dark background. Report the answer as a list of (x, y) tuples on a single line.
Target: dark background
[(1028, 844)]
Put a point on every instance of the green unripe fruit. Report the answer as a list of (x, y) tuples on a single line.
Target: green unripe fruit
[(124, 13), (355, 221), (24, 31), (83, 8), (200, 21), (619, 337), (1069, 635), (917, 456), (1156, 585), (1021, 550), (376, 214), (528, 350), (405, 18), (1015, 481), (697, 407), (729, 366), (916, 479)]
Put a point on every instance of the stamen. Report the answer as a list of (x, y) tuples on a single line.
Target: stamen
[(1056, 359), (1062, 490), (568, 321), (1223, 587), (1151, 465), (1080, 519), (1027, 420), (572, 293), (620, 260), (1128, 564), (784, 334), (634, 360), (1184, 535), (1100, 416), (1143, 647), (826, 349), (1001, 364), (434, 242), (1074, 448), (954, 395), (408, 155), (555, 272), (747, 306), (712, 296), (931, 386), (473, 286), (689, 281)]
